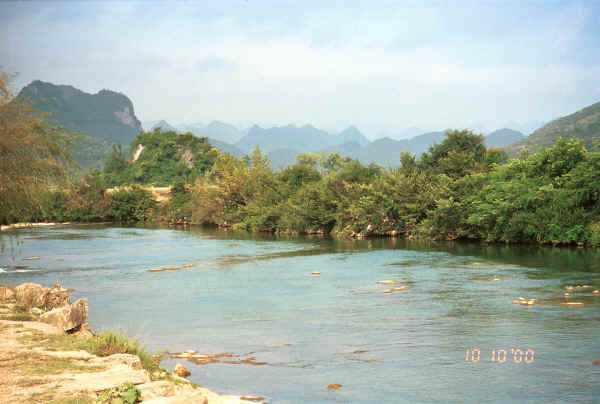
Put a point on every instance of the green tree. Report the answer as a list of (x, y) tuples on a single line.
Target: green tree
[(33, 155)]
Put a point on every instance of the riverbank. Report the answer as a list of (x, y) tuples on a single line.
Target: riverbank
[(41, 363)]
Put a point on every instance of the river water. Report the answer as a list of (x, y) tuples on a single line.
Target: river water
[(453, 335)]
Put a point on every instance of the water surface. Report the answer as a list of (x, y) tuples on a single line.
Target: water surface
[(255, 296)]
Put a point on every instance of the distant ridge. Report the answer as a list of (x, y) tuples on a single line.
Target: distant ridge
[(503, 137), (306, 138)]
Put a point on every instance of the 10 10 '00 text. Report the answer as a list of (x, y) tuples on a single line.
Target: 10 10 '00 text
[(515, 355)]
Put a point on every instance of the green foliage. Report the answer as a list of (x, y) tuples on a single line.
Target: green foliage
[(461, 153), (458, 190), (33, 155), (125, 393), (164, 158), (134, 204)]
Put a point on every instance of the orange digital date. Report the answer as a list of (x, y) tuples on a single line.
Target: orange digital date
[(502, 355)]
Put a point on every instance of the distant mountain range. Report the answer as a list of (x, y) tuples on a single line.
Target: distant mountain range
[(583, 124), (108, 117), (283, 143)]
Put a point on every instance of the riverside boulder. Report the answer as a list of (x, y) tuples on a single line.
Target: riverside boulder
[(67, 317), (6, 293), (35, 295), (181, 371)]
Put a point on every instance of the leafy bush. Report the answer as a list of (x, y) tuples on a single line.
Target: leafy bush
[(133, 204)]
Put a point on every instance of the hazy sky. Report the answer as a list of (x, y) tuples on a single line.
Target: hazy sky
[(381, 65)]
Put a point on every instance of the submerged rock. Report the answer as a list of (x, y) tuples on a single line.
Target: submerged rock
[(252, 398), (572, 304), (396, 289), (163, 269), (171, 268), (181, 371), (525, 302), (67, 317)]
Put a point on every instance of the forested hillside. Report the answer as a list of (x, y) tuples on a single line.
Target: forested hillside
[(583, 124)]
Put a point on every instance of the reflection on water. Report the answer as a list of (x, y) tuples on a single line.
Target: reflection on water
[(294, 333)]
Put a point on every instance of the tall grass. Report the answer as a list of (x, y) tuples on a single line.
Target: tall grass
[(104, 344)]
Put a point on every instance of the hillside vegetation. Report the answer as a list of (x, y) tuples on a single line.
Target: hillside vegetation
[(583, 124), (159, 158)]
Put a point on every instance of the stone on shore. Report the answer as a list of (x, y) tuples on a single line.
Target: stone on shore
[(83, 331), (67, 317), (28, 293), (35, 295), (6, 293), (181, 371)]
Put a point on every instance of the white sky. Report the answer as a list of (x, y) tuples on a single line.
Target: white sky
[(382, 66)]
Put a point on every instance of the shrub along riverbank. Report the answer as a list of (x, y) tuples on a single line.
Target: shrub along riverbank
[(457, 190)]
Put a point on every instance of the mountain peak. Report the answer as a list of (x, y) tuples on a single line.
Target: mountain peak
[(107, 114), (352, 135)]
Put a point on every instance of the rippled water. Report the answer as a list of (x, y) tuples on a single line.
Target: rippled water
[(256, 297)]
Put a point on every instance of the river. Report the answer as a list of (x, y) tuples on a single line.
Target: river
[(452, 335)]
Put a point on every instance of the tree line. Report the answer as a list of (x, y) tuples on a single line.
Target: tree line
[(458, 189)]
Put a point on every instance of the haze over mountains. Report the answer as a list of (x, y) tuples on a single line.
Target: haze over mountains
[(108, 117), (283, 143)]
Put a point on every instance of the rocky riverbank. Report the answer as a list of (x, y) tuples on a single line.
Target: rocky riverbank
[(48, 354)]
